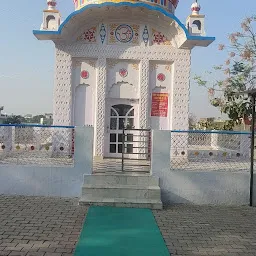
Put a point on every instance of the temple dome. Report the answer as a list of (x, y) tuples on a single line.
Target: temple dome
[(170, 5)]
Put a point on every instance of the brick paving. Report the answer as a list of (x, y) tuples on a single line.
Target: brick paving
[(208, 230), (40, 226)]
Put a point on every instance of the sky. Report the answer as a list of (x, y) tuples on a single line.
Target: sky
[(27, 65)]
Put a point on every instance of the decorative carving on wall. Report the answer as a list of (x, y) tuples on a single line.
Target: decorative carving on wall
[(179, 98), (62, 106), (89, 36), (103, 33), (145, 35), (77, 62), (159, 38), (144, 92), (153, 67), (135, 66), (100, 106), (121, 83), (123, 33), (112, 63), (168, 68)]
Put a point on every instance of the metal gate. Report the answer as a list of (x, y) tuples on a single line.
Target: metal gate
[(136, 150)]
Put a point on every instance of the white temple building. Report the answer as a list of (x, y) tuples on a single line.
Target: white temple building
[(122, 64)]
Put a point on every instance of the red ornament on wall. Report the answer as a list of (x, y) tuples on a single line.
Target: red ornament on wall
[(123, 72), (161, 77), (85, 74)]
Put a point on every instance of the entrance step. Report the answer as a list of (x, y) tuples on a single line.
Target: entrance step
[(122, 179), (123, 202), (140, 191)]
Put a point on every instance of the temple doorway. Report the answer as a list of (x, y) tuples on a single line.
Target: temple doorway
[(122, 114)]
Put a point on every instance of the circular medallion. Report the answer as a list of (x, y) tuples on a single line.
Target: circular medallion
[(124, 33), (161, 77), (123, 72), (85, 74)]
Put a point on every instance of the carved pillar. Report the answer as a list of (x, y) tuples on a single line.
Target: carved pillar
[(62, 106), (144, 95), (100, 107), (144, 109)]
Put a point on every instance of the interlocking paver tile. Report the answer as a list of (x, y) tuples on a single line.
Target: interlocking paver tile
[(208, 230), (39, 226)]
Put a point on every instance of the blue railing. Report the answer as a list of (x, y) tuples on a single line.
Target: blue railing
[(211, 132), (37, 125)]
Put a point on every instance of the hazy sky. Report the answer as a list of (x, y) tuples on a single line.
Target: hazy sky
[(26, 64)]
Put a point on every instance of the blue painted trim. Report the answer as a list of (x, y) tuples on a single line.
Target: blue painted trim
[(211, 132), (144, 5), (36, 125)]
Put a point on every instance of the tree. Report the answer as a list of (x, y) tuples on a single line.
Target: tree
[(14, 120), (192, 121), (36, 119), (238, 72)]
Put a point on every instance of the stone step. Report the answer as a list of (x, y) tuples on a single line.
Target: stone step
[(121, 179), (123, 202), (92, 192)]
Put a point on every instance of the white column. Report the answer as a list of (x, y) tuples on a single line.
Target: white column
[(144, 95), (84, 149), (143, 109), (160, 157), (245, 144), (100, 107), (62, 106), (214, 141)]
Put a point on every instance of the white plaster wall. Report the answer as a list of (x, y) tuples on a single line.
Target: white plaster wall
[(143, 54), (218, 188), (196, 187), (83, 90), (156, 86), (61, 182), (119, 87)]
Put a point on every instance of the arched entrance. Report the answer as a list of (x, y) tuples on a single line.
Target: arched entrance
[(120, 116)]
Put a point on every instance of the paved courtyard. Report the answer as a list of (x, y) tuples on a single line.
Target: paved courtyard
[(209, 230), (51, 227)]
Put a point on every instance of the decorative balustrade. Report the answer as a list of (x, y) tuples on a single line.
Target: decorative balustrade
[(210, 150), (37, 145)]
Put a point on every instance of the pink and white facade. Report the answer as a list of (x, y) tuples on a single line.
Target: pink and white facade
[(122, 64)]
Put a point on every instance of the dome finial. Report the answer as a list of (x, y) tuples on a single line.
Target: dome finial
[(51, 4), (195, 8)]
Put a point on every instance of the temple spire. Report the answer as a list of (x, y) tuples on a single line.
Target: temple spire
[(51, 4), (195, 8)]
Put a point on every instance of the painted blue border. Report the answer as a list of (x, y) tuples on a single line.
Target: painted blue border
[(212, 132), (145, 5), (37, 125)]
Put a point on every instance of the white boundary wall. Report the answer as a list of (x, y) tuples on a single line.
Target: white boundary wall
[(196, 187), (56, 181)]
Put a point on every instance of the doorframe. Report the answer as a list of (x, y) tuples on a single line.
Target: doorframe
[(109, 103)]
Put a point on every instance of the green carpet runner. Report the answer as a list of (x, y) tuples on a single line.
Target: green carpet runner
[(109, 231)]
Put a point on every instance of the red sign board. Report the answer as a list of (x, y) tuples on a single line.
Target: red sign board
[(159, 104)]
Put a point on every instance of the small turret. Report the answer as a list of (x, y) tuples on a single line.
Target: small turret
[(51, 17), (195, 21)]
